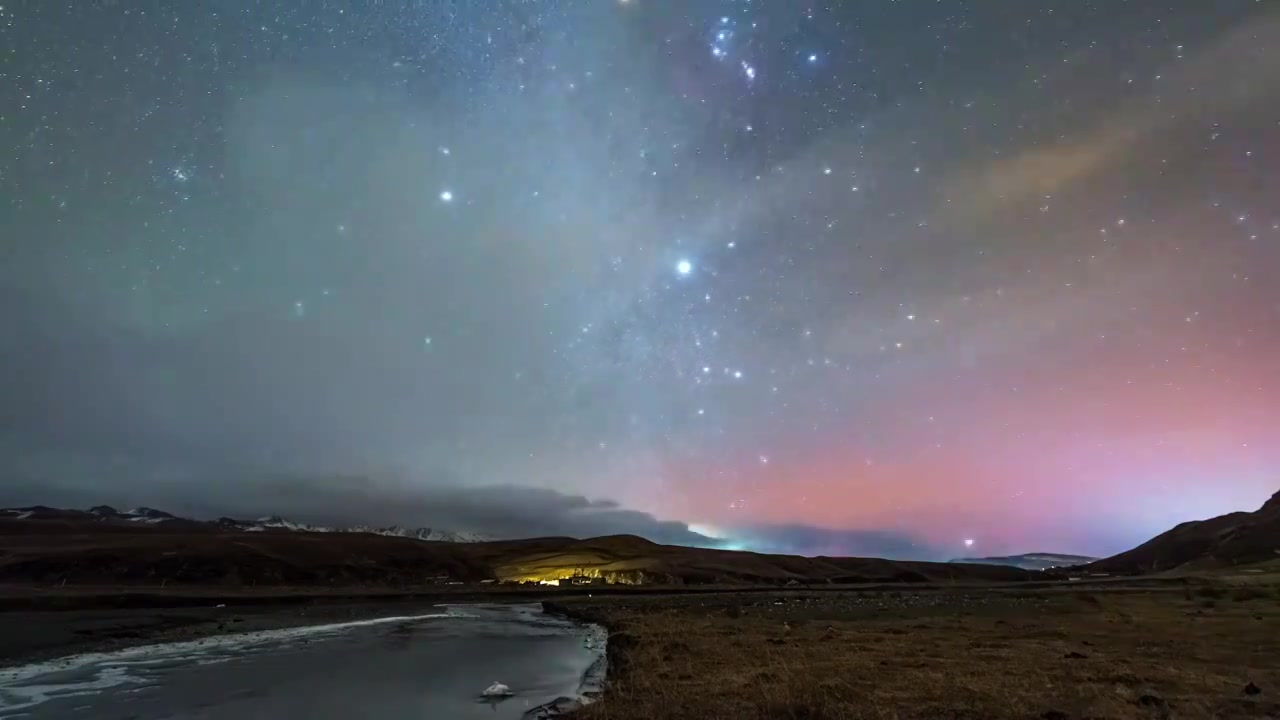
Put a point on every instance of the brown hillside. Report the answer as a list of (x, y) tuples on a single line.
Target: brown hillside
[(1233, 539), (71, 551)]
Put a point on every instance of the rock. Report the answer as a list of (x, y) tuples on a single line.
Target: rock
[(1075, 656), (1151, 701), (1252, 689), (618, 651), (559, 707)]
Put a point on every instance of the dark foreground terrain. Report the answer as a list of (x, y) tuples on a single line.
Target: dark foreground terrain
[(1200, 649)]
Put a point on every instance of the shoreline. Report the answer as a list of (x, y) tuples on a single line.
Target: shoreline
[(594, 679), (605, 671)]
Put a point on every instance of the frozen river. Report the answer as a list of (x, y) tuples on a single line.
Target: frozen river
[(431, 665)]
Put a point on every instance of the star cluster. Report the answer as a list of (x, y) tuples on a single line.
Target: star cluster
[(979, 276)]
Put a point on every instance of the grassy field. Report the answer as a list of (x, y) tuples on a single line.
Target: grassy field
[(1187, 651)]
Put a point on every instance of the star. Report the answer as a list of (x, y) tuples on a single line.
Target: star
[(446, 196), (684, 267)]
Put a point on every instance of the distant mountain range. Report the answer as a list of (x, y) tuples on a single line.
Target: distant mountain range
[(103, 545), (1031, 561), (272, 523)]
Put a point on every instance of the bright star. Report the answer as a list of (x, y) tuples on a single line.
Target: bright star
[(968, 542), (684, 267), (446, 196)]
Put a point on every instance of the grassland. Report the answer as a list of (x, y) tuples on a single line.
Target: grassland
[(1193, 649)]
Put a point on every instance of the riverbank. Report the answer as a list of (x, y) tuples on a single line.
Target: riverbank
[(42, 622), (32, 636), (1054, 653)]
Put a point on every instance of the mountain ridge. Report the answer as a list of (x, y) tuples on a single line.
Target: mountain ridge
[(1236, 538), (151, 516)]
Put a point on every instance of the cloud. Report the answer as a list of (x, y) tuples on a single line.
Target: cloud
[(502, 511), (1186, 94), (808, 540), (499, 511)]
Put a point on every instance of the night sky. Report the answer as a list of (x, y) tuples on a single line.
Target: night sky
[(917, 279)]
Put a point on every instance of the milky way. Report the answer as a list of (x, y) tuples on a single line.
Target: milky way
[(869, 278)]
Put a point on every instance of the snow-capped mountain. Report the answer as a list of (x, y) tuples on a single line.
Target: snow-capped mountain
[(274, 523), (425, 534), (1031, 561)]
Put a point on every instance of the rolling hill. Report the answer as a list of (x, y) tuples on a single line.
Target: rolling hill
[(50, 546)]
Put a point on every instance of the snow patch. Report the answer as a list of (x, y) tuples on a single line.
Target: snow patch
[(497, 690)]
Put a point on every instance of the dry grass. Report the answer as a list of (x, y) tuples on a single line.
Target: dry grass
[(1056, 654)]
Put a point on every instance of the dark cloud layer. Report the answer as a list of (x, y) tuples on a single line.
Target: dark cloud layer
[(498, 511)]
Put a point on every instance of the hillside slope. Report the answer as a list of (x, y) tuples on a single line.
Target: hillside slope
[(1233, 539)]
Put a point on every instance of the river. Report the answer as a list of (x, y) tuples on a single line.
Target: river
[(427, 666)]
